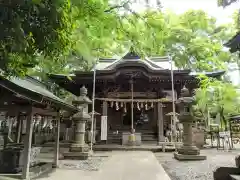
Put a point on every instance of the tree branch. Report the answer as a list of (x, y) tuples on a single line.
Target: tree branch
[(117, 7)]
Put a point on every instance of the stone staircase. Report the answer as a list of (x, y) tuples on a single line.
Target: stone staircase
[(148, 137)]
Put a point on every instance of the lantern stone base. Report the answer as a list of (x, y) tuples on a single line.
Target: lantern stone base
[(185, 157), (188, 153), (77, 152), (79, 147), (188, 150), (76, 155)]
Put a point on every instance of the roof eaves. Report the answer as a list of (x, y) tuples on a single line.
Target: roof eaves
[(37, 90)]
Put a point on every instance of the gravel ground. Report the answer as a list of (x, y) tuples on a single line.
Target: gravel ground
[(197, 170), (91, 164)]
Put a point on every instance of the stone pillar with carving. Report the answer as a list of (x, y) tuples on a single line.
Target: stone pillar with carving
[(79, 149), (188, 151)]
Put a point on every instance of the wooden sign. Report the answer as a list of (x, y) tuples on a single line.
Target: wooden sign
[(103, 128), (225, 134)]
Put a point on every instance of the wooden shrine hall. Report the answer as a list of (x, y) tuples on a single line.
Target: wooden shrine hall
[(131, 92), (28, 102)]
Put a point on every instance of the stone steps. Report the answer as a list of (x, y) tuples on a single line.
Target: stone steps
[(147, 137)]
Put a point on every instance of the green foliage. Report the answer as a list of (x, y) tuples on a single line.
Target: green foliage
[(217, 97), (30, 27), (63, 33), (192, 38)]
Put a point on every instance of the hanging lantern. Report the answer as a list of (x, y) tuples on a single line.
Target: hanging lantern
[(152, 105), (125, 108), (117, 107), (38, 120), (121, 104), (142, 105), (138, 107), (14, 123), (146, 106), (111, 104), (49, 121), (44, 123), (51, 125)]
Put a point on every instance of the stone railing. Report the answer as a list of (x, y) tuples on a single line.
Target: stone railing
[(11, 158)]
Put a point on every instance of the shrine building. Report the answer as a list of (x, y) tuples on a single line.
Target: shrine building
[(133, 92)]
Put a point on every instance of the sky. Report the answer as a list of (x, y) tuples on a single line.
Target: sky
[(223, 15)]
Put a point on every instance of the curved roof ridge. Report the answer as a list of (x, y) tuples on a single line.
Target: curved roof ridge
[(160, 58), (152, 63), (139, 61), (117, 61)]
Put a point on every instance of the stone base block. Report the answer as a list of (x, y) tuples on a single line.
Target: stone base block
[(131, 139), (79, 148), (76, 155), (184, 157), (188, 150)]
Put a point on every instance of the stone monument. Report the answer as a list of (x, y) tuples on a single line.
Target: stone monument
[(79, 149), (188, 151)]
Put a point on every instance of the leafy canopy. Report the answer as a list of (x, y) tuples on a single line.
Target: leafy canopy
[(53, 31), (218, 97)]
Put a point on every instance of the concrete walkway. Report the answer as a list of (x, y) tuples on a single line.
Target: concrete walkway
[(132, 165), (122, 165)]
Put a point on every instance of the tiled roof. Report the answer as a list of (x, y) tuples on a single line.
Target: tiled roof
[(155, 63), (35, 86), (234, 43)]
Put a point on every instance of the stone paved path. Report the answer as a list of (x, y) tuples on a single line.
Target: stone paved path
[(132, 165), (128, 165)]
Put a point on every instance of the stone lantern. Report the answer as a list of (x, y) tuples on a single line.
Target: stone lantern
[(188, 151), (79, 149)]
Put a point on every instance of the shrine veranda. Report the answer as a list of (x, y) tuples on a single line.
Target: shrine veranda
[(132, 92)]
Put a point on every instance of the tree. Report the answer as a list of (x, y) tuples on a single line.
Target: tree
[(53, 29), (226, 3), (32, 27), (217, 97), (193, 38)]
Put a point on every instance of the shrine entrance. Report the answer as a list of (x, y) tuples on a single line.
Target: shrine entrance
[(126, 116)]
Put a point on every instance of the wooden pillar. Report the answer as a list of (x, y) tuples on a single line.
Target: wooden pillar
[(18, 131), (160, 122), (27, 146), (57, 136), (21, 128), (105, 112), (94, 130)]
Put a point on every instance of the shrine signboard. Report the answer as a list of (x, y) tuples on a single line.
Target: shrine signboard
[(103, 128)]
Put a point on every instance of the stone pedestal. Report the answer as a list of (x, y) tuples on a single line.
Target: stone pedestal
[(237, 161), (188, 151), (79, 149), (131, 139)]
